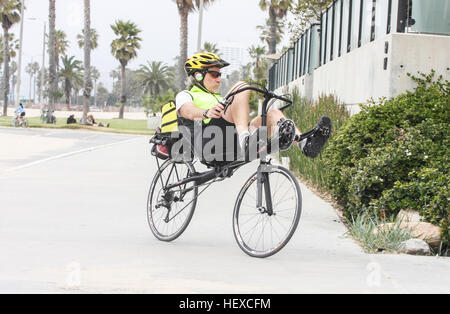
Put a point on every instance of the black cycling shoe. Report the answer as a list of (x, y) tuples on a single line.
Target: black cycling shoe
[(316, 138)]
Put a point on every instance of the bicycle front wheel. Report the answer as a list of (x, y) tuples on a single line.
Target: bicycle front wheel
[(262, 231), (169, 212)]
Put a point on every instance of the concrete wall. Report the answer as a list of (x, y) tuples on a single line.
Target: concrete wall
[(415, 52), (359, 75)]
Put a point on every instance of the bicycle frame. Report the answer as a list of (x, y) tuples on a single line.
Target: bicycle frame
[(229, 169)]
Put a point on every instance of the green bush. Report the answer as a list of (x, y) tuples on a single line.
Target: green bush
[(305, 115), (395, 155)]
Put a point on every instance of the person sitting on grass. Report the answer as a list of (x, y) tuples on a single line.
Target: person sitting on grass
[(71, 119), (91, 121)]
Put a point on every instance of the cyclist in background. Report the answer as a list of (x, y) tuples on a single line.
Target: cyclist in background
[(20, 113), (202, 102)]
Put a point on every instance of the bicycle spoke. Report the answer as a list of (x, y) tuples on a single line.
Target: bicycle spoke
[(262, 232), (276, 219), (253, 228), (253, 216), (280, 238), (280, 216), (267, 234), (168, 224)]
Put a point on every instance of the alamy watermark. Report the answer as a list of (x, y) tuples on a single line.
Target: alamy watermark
[(213, 143)]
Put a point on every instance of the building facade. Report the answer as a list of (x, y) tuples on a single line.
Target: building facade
[(235, 54), (363, 49)]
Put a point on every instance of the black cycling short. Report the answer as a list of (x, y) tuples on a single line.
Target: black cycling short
[(22, 114), (221, 150), (229, 144)]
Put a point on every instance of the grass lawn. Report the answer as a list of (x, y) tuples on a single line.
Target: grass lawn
[(115, 125)]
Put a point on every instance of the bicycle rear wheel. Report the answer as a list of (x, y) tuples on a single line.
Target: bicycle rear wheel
[(169, 212), (258, 231)]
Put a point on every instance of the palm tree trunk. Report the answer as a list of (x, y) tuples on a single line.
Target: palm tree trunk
[(52, 62), (183, 47), (67, 90), (34, 89), (57, 67), (123, 97), (13, 85), (273, 31), (29, 92), (5, 71), (95, 93), (87, 59)]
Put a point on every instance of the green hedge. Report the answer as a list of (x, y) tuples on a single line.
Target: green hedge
[(395, 155), (305, 115)]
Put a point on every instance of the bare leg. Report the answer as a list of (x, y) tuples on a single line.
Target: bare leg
[(273, 117), (239, 111)]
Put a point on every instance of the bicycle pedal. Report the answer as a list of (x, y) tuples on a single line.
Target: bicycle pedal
[(325, 131), (281, 121)]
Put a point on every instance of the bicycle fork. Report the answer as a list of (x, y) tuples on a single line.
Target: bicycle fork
[(264, 183)]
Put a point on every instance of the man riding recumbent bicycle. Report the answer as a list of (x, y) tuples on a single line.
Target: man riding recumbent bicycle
[(203, 125)]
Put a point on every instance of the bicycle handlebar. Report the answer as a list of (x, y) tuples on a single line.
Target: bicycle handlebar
[(267, 95)]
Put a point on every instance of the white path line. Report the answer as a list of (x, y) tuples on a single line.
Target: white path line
[(34, 163)]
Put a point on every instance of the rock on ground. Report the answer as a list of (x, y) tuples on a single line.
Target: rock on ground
[(414, 247), (425, 231)]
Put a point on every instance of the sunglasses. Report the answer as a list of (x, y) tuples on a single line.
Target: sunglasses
[(214, 74)]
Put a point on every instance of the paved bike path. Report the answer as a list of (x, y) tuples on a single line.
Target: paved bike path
[(78, 224)]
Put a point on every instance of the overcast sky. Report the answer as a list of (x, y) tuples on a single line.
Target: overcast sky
[(224, 21)]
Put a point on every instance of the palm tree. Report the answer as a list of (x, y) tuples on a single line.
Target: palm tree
[(210, 47), (87, 59), (36, 72), (94, 39), (115, 75), (42, 82), (124, 48), (95, 75), (53, 83), (277, 10), (102, 94), (77, 86), (256, 53), (9, 15), (12, 74), (13, 47), (154, 77), (71, 73), (246, 71), (32, 69), (184, 8), (265, 35), (61, 46)]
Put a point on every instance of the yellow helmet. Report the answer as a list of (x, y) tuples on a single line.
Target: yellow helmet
[(202, 61)]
